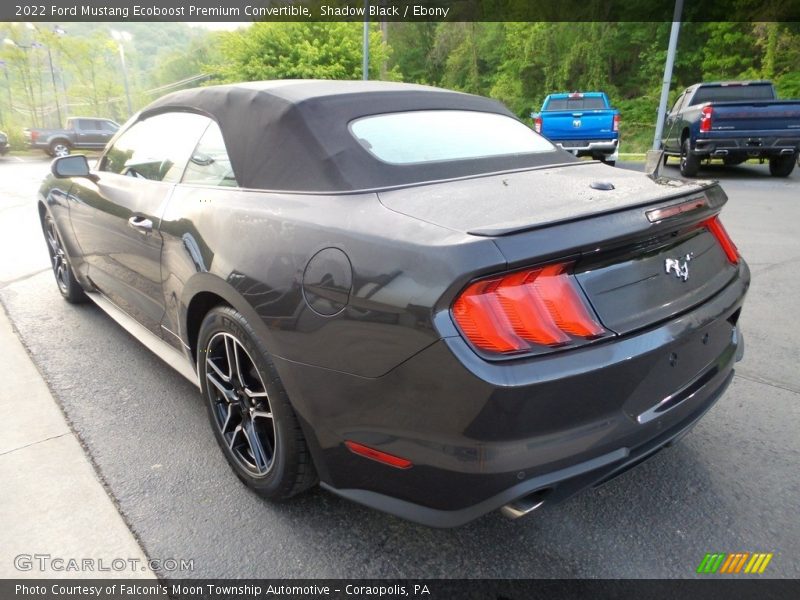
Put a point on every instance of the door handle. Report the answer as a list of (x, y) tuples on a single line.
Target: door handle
[(143, 224)]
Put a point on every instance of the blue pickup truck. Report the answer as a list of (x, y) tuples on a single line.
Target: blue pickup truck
[(583, 123), (732, 121)]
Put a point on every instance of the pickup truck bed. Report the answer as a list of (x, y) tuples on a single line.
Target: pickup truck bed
[(583, 123), (721, 121), (80, 133)]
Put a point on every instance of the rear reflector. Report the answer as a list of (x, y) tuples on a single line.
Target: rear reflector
[(377, 455), (715, 227), (526, 310)]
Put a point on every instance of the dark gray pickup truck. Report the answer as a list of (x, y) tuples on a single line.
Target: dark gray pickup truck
[(80, 133), (733, 121)]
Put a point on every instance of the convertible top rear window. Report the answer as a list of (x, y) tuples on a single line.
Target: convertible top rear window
[(439, 135)]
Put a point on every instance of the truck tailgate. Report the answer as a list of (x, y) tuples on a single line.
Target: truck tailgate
[(760, 116), (578, 125)]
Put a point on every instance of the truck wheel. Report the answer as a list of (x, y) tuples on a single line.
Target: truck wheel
[(690, 164), (59, 148), (781, 166)]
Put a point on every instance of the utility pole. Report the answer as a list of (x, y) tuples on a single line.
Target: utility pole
[(55, 89), (673, 45), (365, 44), (120, 37), (10, 106)]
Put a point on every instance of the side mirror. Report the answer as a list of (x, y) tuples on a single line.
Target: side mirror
[(74, 165)]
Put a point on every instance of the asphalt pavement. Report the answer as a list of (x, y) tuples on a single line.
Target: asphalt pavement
[(731, 485)]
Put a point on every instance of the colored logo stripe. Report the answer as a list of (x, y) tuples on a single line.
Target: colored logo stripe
[(710, 563), (758, 563), (721, 562)]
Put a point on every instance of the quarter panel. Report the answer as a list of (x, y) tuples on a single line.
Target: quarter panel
[(259, 244)]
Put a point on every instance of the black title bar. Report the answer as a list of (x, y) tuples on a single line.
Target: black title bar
[(396, 10), (398, 589)]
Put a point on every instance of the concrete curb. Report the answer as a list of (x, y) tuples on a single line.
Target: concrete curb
[(56, 518)]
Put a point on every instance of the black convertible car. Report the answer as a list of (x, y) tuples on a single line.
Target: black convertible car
[(403, 292)]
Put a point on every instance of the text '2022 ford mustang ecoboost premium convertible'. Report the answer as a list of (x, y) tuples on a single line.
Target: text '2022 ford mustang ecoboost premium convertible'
[(403, 293)]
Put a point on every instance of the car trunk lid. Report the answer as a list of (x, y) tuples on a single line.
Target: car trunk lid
[(652, 281), (502, 204), (642, 252)]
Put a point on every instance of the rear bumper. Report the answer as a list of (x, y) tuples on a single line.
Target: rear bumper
[(481, 435), (589, 147), (753, 146), (549, 488)]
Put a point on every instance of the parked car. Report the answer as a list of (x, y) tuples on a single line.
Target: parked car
[(733, 121), (3, 143), (583, 123), (403, 292), (80, 133)]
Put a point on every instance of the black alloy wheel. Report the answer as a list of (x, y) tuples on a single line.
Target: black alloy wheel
[(253, 421), (68, 285), (240, 404)]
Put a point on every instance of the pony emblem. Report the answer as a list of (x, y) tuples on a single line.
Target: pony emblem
[(678, 266)]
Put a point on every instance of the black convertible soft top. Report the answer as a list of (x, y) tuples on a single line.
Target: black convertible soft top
[(293, 135)]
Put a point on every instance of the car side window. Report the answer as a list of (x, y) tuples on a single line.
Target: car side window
[(676, 108), (157, 147), (209, 163), (108, 126)]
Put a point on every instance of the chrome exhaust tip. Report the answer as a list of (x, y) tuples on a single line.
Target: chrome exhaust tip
[(525, 505)]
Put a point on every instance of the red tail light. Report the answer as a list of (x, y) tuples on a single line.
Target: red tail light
[(615, 127), (537, 124), (34, 136), (526, 310), (715, 227), (705, 118)]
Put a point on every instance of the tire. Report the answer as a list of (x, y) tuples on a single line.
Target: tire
[(67, 284), (781, 166), (249, 410), (610, 163), (690, 164), (59, 148)]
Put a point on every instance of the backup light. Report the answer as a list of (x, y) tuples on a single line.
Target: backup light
[(525, 310)]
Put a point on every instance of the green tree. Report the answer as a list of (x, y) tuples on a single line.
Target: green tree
[(300, 50)]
